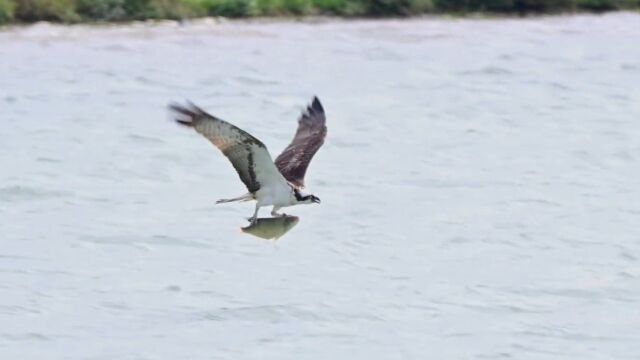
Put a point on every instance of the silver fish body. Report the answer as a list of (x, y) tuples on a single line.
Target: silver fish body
[(271, 228)]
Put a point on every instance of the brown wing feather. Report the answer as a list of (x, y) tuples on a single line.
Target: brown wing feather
[(240, 147), (312, 130)]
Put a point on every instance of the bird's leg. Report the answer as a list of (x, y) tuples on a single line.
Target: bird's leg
[(254, 218), (275, 213)]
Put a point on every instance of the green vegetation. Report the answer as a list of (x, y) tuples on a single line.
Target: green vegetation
[(126, 10), (7, 10)]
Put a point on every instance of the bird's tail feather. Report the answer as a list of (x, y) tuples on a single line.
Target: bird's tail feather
[(245, 197)]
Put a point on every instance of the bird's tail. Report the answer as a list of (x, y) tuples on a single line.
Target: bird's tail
[(245, 197)]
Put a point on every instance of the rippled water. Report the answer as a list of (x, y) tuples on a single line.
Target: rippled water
[(479, 184)]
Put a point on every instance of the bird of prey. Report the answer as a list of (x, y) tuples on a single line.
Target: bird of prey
[(278, 184)]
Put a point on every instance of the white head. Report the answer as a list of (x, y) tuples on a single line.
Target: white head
[(306, 199)]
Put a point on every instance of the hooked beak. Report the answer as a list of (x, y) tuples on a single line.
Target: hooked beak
[(316, 200)]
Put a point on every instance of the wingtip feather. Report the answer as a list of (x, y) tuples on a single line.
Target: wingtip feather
[(183, 115), (184, 123), (316, 105)]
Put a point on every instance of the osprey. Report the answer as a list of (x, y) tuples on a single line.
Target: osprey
[(270, 183)]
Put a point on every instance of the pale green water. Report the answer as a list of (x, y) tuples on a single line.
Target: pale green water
[(479, 190)]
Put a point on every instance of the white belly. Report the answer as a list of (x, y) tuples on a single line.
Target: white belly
[(278, 195)]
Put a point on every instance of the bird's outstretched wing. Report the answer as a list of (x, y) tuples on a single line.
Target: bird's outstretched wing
[(248, 155), (295, 159)]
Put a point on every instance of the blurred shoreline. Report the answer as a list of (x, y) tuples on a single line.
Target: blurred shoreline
[(25, 12), (305, 20)]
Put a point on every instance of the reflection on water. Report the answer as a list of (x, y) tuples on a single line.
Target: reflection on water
[(272, 228)]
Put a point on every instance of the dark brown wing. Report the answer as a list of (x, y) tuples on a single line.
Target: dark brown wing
[(295, 159), (248, 155)]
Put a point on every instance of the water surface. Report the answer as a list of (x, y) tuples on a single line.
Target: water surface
[(479, 189)]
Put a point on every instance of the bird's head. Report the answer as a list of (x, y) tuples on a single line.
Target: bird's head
[(312, 199), (306, 199)]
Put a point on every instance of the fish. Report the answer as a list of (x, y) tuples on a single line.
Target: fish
[(271, 228)]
